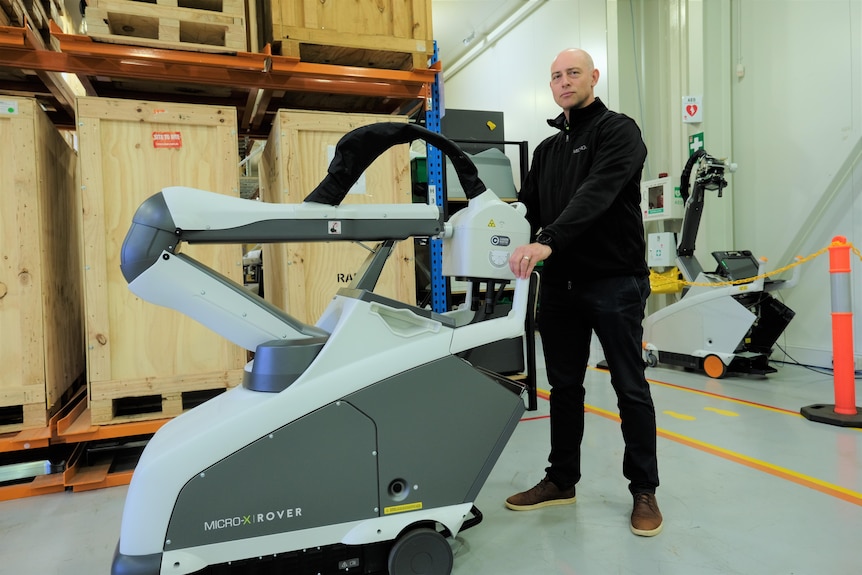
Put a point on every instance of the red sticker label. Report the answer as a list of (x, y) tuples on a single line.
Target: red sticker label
[(167, 140)]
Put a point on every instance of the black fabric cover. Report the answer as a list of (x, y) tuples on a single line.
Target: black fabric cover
[(359, 148)]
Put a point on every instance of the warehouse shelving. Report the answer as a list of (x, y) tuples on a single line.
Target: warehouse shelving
[(256, 84)]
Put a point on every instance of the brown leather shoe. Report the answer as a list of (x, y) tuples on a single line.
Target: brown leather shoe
[(545, 493), (646, 517)]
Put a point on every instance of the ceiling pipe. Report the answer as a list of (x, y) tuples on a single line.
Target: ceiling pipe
[(492, 37)]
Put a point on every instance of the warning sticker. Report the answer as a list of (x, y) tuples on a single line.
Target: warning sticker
[(167, 139), (402, 508)]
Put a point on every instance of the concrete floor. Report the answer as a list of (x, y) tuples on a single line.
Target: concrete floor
[(748, 487)]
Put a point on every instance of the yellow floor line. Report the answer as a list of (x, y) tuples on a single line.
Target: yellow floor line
[(782, 472), (726, 398), (775, 470)]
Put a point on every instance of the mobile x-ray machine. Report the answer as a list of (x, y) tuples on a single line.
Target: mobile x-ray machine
[(727, 321), (356, 445)]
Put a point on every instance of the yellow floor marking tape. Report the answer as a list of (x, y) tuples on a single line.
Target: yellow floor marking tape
[(682, 416), (721, 411), (782, 472), (775, 470), (726, 398)]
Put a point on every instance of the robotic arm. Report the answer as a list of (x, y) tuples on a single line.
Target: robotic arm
[(158, 272)]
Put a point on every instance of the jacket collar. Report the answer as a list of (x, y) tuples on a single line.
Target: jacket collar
[(579, 116)]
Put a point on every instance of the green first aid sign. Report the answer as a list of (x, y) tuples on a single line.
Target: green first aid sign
[(695, 143)]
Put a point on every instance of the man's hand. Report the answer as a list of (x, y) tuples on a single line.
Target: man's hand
[(525, 258)]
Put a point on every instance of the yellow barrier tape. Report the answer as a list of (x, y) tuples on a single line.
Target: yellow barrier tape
[(664, 284)]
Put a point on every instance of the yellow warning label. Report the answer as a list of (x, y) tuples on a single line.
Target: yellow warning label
[(402, 508), (491, 224)]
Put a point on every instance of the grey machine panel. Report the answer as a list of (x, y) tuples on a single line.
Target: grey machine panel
[(290, 480), (441, 428), (425, 438)]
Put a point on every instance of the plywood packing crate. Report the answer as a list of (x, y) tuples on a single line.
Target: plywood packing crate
[(145, 361), (302, 278), (41, 315), (393, 34)]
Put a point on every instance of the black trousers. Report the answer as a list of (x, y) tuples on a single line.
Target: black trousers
[(613, 308)]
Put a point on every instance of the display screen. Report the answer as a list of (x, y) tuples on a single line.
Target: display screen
[(736, 265)]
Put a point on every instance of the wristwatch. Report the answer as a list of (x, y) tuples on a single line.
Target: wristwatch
[(545, 240)]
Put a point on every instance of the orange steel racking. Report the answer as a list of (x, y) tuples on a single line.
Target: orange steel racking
[(257, 81), (257, 84)]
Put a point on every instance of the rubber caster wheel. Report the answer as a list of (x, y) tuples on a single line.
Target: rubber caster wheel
[(421, 552), (714, 367), (651, 360)]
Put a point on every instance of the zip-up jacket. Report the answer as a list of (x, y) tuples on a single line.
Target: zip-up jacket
[(583, 192)]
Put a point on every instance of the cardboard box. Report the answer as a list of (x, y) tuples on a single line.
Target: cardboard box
[(302, 278), (41, 310), (145, 361)]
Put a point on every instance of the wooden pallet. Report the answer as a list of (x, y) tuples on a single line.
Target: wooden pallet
[(12, 13), (195, 25), (35, 14), (27, 409), (19, 416), (346, 49), (142, 400)]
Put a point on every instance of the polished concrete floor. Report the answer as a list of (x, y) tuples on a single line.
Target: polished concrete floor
[(748, 487)]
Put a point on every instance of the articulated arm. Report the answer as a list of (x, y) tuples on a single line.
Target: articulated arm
[(158, 273), (710, 176), (485, 233)]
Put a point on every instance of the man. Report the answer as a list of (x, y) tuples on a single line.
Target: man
[(583, 203)]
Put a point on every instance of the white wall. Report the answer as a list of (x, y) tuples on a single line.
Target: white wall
[(791, 122), (796, 121), (513, 75)]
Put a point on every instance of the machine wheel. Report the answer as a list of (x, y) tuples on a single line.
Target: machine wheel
[(651, 359), (714, 367), (421, 552)]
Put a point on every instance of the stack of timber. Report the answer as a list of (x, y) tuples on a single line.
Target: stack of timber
[(41, 315), (194, 25), (144, 361), (302, 278), (35, 14), (389, 34)]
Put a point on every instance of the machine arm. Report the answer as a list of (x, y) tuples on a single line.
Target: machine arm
[(156, 270), (709, 176)]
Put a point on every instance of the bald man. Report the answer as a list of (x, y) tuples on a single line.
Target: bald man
[(583, 202)]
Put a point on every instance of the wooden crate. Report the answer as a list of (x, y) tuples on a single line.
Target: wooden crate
[(143, 360), (392, 34), (41, 310), (302, 278), (196, 25)]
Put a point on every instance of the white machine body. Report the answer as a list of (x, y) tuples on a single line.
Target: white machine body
[(193, 503), (482, 236)]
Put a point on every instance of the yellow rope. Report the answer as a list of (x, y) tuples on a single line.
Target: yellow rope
[(662, 283)]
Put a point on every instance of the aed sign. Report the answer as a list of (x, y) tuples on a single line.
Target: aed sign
[(692, 109)]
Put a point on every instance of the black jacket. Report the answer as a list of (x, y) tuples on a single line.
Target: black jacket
[(583, 190)]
